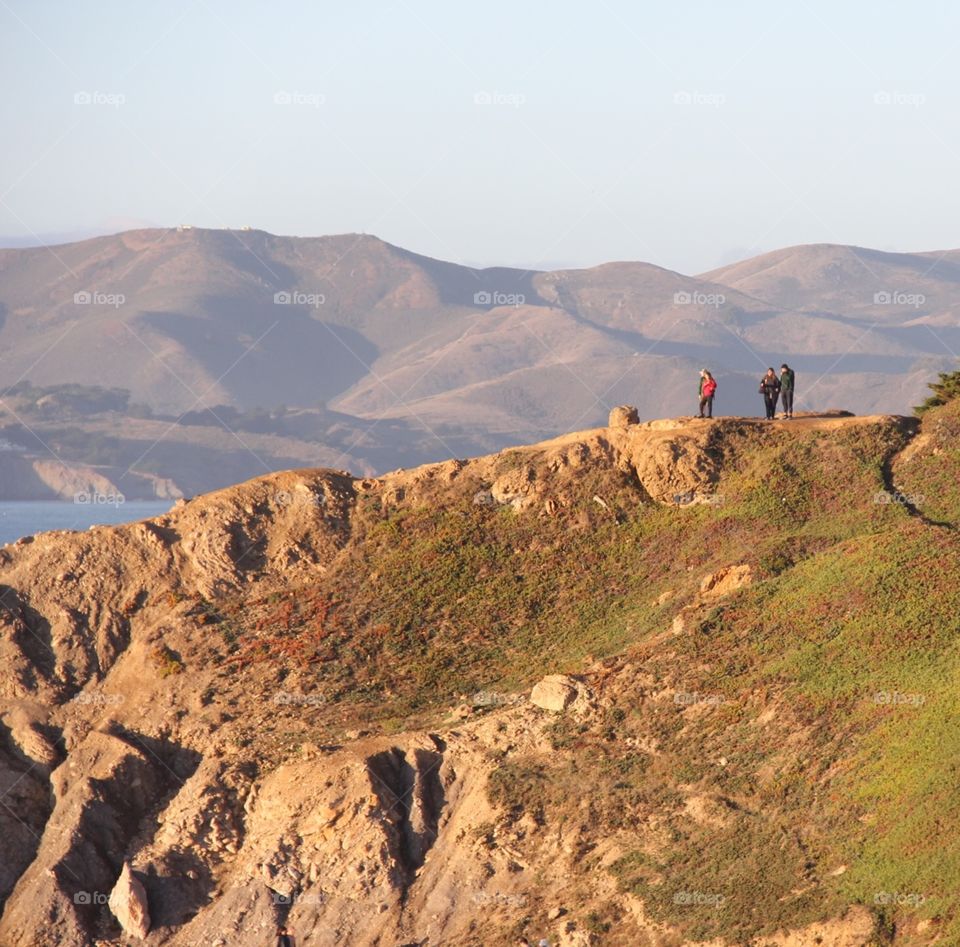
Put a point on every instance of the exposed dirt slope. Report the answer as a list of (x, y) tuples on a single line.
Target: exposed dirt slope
[(152, 713)]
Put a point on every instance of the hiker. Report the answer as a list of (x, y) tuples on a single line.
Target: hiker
[(787, 379), (708, 387), (770, 389), (284, 937)]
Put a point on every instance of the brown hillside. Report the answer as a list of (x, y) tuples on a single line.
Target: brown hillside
[(202, 696)]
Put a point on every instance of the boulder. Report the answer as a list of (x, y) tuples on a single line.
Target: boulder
[(37, 747), (27, 733), (623, 416), (128, 902), (725, 581), (555, 692), (676, 468)]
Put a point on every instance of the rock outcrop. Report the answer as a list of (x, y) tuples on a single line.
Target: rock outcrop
[(725, 581), (623, 416), (128, 902), (555, 692)]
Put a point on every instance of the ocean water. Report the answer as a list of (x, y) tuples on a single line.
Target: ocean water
[(27, 517)]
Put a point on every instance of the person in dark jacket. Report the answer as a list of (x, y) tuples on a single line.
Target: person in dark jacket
[(770, 389), (284, 937), (787, 384), (708, 388)]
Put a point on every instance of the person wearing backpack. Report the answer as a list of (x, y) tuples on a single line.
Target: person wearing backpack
[(708, 388), (770, 389), (787, 384)]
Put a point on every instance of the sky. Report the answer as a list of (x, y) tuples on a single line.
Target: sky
[(686, 134)]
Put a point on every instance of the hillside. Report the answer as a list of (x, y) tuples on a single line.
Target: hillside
[(354, 352), (898, 290), (308, 698)]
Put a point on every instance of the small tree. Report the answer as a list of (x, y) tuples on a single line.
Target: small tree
[(944, 390)]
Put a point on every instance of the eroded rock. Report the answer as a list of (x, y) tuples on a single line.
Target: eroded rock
[(623, 416), (556, 693), (128, 903), (726, 580)]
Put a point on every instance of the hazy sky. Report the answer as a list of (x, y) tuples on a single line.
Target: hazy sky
[(683, 133)]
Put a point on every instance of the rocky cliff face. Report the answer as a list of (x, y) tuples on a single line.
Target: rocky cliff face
[(175, 701)]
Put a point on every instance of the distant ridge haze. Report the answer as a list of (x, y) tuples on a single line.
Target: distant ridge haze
[(197, 317)]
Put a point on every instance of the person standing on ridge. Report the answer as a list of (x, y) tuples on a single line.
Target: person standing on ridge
[(787, 379), (708, 387), (770, 389)]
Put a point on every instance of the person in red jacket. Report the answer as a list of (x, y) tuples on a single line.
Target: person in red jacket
[(708, 388)]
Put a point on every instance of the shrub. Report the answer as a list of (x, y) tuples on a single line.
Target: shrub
[(167, 661)]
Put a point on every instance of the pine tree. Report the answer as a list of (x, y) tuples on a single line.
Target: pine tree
[(944, 390)]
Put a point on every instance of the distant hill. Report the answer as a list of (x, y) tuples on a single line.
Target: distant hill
[(896, 289), (420, 359)]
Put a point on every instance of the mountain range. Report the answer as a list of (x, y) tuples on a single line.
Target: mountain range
[(357, 353)]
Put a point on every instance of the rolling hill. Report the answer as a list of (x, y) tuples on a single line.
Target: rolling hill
[(383, 358)]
